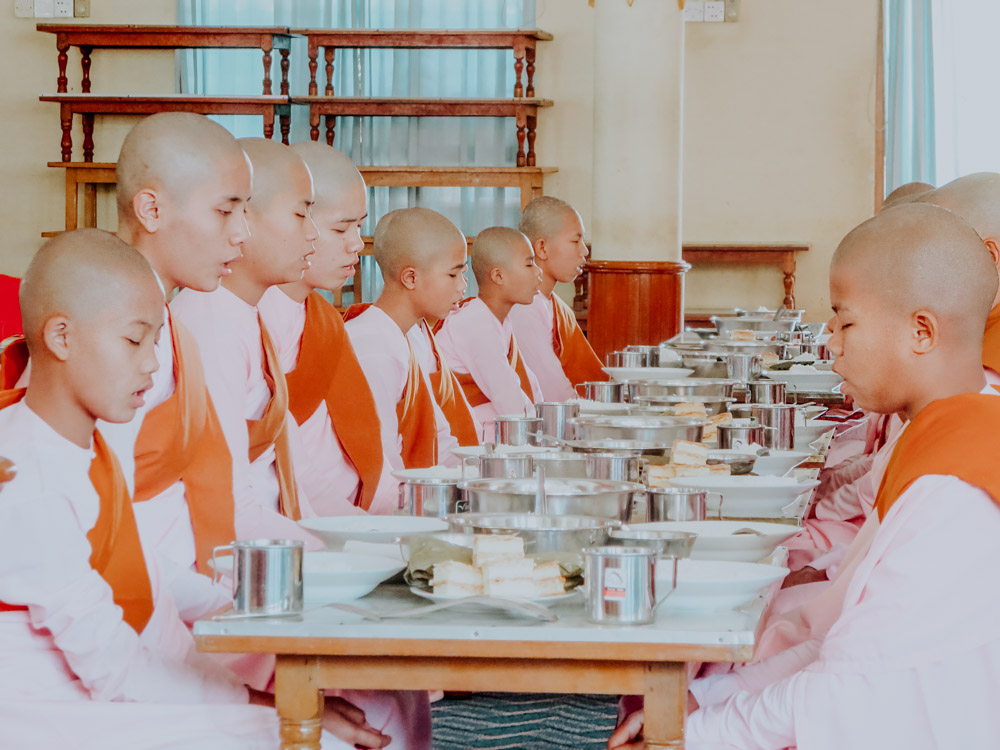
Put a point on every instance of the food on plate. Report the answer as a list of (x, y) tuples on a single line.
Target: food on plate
[(768, 359), (742, 335), (487, 548), (499, 569), (660, 476), (688, 453), (453, 578), (690, 409), (711, 431)]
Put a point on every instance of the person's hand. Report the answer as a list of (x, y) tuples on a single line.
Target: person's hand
[(628, 735), (346, 722), (804, 575)]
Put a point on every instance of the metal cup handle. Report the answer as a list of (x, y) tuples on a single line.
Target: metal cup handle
[(216, 576), (721, 500), (401, 494)]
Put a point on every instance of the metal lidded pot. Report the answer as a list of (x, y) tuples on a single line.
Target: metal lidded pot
[(517, 430), (602, 391), (554, 416), (767, 391), (430, 497)]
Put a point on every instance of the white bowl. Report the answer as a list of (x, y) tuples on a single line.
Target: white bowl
[(716, 540), (329, 577), (779, 463), (748, 496), (811, 431), (647, 373), (713, 585), (813, 382), (437, 472), (335, 531)]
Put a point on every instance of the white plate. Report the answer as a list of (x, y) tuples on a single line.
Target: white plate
[(469, 451), (335, 531), (329, 577), (748, 496), (779, 463), (475, 606), (716, 540), (647, 373), (822, 381), (437, 472), (599, 407), (812, 431), (713, 585)]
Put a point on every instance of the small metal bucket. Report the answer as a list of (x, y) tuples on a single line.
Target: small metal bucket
[(621, 584), (606, 392), (676, 504), (743, 367), (512, 430), (616, 466), (730, 433), (625, 359), (505, 466), (781, 418), (767, 391), (431, 497), (267, 575), (554, 415)]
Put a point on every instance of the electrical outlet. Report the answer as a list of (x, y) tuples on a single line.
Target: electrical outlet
[(732, 10), (694, 11), (45, 8), (81, 8), (24, 8), (715, 11), (63, 8)]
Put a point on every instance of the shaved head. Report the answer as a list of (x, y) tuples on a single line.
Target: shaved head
[(975, 197), (496, 247), (276, 168), (80, 274), (922, 257), (412, 237), (544, 217), (172, 152), (332, 172), (911, 191)]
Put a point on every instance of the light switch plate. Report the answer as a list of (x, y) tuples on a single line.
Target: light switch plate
[(45, 8), (24, 8), (694, 11), (63, 8), (715, 11)]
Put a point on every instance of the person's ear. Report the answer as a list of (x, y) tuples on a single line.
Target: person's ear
[(408, 278), (496, 275), (925, 331), (147, 210), (56, 334), (994, 248), (541, 249)]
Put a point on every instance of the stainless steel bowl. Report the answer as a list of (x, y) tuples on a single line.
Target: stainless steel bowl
[(667, 543), (787, 314), (561, 465), (713, 404), (542, 534), (646, 429), (756, 323), (684, 389), (572, 497), (723, 346), (738, 463), (621, 447), (651, 353)]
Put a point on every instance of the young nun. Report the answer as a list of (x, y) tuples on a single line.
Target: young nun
[(478, 339), (328, 394), (911, 656), (551, 340), (976, 198), (422, 259), (94, 654), (241, 364)]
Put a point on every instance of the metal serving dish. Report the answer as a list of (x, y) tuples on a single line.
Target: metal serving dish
[(738, 462), (722, 346), (542, 534), (685, 389), (786, 315), (667, 543), (705, 365), (756, 323), (570, 497), (561, 465), (621, 447), (645, 429), (713, 404)]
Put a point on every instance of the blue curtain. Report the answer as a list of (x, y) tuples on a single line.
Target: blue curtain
[(909, 93)]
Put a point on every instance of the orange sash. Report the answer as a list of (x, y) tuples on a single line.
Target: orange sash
[(270, 429), (953, 436), (446, 390), (575, 353), (13, 361), (474, 394), (116, 551), (327, 370), (991, 340), (182, 440)]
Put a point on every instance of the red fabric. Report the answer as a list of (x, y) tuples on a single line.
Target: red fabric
[(10, 307)]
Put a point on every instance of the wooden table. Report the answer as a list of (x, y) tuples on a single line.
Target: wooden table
[(458, 650), (773, 254)]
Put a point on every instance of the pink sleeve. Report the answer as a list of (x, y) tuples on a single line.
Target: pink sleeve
[(485, 355)]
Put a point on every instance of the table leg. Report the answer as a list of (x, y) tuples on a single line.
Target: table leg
[(299, 703), (665, 698), (788, 269)]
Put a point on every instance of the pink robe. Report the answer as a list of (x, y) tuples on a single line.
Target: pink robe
[(328, 477), (532, 324), (384, 355), (476, 343), (227, 330)]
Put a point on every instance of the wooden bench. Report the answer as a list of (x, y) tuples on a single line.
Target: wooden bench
[(89, 105), (523, 110), (521, 41), (88, 37)]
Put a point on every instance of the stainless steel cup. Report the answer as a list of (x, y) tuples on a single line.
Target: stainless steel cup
[(741, 411), (652, 353), (676, 504), (730, 433), (767, 391), (514, 430), (817, 350), (267, 575), (781, 419), (743, 367), (626, 359), (505, 466), (607, 392), (554, 415), (621, 584), (431, 497), (615, 466)]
